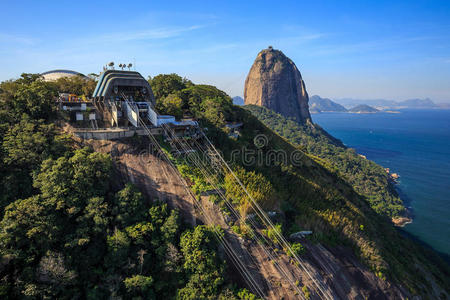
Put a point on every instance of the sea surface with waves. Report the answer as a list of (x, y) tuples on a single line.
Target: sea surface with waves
[(416, 145)]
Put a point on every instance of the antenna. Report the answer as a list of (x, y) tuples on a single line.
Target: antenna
[(111, 64), (129, 66)]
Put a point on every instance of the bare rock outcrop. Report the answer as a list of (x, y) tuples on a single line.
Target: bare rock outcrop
[(275, 82)]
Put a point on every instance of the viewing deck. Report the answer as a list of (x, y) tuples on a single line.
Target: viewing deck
[(109, 133)]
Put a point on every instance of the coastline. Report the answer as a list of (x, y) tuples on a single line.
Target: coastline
[(314, 112), (417, 150), (401, 221)]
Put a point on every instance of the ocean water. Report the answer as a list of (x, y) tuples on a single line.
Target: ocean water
[(416, 145)]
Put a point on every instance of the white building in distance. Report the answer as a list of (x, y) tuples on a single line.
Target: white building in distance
[(56, 74)]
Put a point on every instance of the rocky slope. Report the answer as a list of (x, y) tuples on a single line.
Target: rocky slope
[(275, 82), (339, 270)]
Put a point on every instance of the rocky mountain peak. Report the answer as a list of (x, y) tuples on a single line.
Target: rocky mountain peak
[(275, 82)]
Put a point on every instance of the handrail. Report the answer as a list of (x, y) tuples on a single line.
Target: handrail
[(75, 129)]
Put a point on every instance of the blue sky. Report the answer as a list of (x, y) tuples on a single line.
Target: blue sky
[(359, 49)]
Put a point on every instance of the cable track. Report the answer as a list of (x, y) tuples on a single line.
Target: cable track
[(254, 238), (228, 249), (255, 234)]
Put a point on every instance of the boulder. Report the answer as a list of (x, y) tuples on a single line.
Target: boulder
[(275, 82)]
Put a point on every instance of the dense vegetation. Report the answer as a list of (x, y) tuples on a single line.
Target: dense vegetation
[(68, 231), (319, 193), (175, 95), (312, 197), (328, 191), (366, 177)]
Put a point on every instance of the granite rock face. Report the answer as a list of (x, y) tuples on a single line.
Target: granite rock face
[(275, 82)]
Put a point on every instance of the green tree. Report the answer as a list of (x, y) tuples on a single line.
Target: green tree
[(212, 110), (28, 78), (203, 266), (29, 142), (129, 205), (297, 248), (171, 105), (27, 229), (256, 184), (171, 226), (36, 99), (208, 103), (70, 182), (165, 84), (306, 292), (77, 85), (24, 147), (118, 248), (13, 97), (244, 294), (273, 233), (139, 285)]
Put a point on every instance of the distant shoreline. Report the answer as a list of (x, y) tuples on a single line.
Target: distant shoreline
[(358, 112), (421, 186), (389, 111)]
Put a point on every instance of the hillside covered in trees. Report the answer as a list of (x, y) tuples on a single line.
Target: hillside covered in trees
[(343, 198), (68, 229), (366, 177)]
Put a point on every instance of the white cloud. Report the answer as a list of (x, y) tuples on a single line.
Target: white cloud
[(139, 35), (150, 34)]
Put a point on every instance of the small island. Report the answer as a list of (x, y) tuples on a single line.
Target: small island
[(363, 109)]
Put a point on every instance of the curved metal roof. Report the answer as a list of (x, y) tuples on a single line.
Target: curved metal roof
[(110, 78), (63, 71)]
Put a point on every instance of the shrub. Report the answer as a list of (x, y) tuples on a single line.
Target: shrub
[(306, 292)]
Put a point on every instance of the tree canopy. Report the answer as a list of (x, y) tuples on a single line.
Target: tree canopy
[(66, 230), (70, 229), (77, 85)]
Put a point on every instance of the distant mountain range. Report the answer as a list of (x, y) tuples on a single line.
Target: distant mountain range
[(318, 104), (417, 103), (383, 104)]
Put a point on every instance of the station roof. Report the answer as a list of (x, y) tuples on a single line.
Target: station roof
[(111, 78)]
